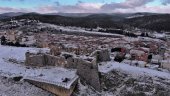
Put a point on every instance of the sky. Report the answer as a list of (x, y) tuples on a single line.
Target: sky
[(85, 6)]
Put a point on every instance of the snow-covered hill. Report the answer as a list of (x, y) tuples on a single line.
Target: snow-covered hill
[(134, 16)]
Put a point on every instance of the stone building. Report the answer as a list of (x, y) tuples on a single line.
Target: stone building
[(87, 68), (101, 55), (56, 50), (139, 55), (42, 59), (11, 36), (34, 59), (165, 64)]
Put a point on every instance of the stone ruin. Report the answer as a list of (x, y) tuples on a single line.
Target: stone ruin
[(65, 60), (87, 68), (56, 50), (101, 55)]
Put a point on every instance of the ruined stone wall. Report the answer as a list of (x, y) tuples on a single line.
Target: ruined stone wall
[(166, 66), (56, 50), (89, 72), (61, 61), (73, 63), (50, 60), (102, 55), (34, 60), (53, 60)]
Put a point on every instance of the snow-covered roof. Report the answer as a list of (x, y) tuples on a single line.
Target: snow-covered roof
[(56, 79)]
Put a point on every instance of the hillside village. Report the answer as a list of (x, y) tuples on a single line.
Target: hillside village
[(63, 60)]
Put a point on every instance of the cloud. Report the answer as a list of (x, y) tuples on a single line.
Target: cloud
[(82, 7), (165, 2), (126, 4), (90, 5), (78, 8), (10, 9), (153, 9)]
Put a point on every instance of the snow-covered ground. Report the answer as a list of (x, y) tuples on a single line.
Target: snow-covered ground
[(76, 29), (56, 75), (53, 74), (136, 71), (8, 87), (125, 80)]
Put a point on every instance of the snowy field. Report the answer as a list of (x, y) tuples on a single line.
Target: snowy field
[(136, 71), (76, 29), (9, 69), (9, 87)]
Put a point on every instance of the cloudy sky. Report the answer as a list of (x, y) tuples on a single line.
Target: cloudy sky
[(85, 6)]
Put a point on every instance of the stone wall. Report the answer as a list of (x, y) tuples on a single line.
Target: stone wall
[(166, 66), (54, 60), (73, 63), (102, 55), (50, 60), (86, 69), (88, 72), (34, 60), (56, 50)]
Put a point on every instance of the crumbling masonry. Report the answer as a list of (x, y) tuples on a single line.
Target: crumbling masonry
[(87, 68)]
